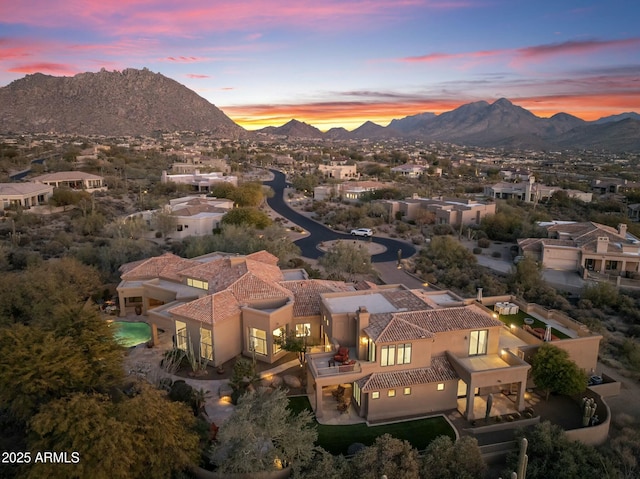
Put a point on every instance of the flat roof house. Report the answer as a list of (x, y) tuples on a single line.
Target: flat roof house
[(76, 180), (24, 195)]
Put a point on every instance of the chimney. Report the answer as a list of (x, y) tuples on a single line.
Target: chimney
[(622, 230), (362, 342), (602, 245), (363, 318)]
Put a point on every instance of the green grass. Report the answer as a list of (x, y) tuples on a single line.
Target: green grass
[(518, 320), (337, 439)]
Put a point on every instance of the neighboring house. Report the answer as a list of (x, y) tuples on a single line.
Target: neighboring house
[(24, 195), (194, 215), (530, 192), (350, 191), (338, 170), (633, 211), (200, 181), (190, 165), (75, 180), (586, 246), (402, 352), (409, 170), (613, 185), (451, 211)]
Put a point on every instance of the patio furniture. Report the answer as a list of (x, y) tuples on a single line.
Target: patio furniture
[(342, 355), (347, 366), (338, 392)]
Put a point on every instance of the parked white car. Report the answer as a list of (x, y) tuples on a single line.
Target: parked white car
[(362, 232)]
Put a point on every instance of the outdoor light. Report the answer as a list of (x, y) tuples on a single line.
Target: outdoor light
[(512, 326), (495, 315), (502, 352)]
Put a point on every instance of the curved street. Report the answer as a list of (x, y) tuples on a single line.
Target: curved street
[(319, 233)]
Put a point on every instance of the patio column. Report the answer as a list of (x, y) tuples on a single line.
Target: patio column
[(470, 398), (520, 404), (154, 334), (318, 391)]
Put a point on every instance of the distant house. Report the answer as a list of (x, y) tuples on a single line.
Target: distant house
[(586, 246), (450, 211), (409, 170), (75, 180), (530, 192), (24, 195), (350, 191), (194, 215), (338, 170), (202, 182)]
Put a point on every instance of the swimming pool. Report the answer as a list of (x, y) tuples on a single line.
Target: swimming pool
[(131, 334)]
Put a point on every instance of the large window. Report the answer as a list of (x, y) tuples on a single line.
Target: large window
[(258, 341), (303, 329), (404, 353), (371, 353), (357, 393), (388, 355), (206, 344), (478, 342), (181, 335), (278, 336), (395, 354)]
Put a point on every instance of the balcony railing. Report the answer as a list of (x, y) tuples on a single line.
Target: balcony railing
[(325, 365)]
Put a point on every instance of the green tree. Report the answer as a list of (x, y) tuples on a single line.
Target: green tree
[(389, 456), (552, 454), (141, 436), (247, 216), (164, 222), (445, 459), (263, 431), (553, 371), (346, 259), (325, 466)]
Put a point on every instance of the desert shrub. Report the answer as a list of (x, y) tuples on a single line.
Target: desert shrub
[(484, 242), (477, 250), (496, 254)]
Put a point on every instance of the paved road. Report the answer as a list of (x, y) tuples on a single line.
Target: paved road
[(320, 233)]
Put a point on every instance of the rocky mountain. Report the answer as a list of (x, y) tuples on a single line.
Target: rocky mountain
[(294, 129), (621, 116), (411, 123), (129, 102)]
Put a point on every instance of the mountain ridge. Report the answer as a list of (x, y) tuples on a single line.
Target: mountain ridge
[(140, 102)]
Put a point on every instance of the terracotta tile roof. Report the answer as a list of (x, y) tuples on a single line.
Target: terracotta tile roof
[(164, 266), (209, 309), (410, 325), (306, 294), (264, 257), (363, 285), (405, 299), (439, 371), (251, 288)]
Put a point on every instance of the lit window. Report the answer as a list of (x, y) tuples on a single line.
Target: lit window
[(388, 356), (258, 340), (407, 391), (375, 395), (440, 386), (196, 283), (391, 393), (303, 329), (404, 353)]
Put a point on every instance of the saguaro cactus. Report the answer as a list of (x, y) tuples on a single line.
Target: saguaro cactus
[(588, 410)]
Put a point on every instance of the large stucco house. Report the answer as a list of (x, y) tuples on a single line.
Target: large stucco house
[(584, 247), (76, 180), (399, 352)]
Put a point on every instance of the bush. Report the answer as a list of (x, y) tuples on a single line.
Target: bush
[(477, 250), (484, 242), (496, 254)]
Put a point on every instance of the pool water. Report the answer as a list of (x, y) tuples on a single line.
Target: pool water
[(131, 334)]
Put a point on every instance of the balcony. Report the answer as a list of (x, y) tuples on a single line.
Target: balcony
[(323, 364)]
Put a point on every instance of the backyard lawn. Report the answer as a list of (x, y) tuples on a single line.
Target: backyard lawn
[(518, 320), (337, 439)]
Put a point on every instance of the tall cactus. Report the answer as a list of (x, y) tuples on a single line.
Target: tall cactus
[(588, 410), (523, 461)]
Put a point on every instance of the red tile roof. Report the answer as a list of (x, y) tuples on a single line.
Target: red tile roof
[(209, 309), (440, 371), (306, 294)]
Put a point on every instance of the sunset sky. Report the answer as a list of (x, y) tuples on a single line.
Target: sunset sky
[(342, 62)]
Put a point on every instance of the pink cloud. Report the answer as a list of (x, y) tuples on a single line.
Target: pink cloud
[(197, 76), (571, 47), (58, 69), (185, 59), (189, 19)]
